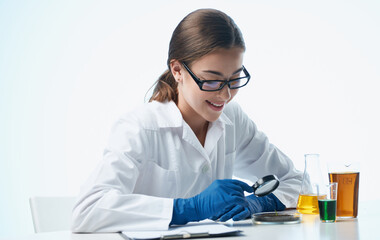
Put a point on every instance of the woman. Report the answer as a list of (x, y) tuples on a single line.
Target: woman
[(172, 161)]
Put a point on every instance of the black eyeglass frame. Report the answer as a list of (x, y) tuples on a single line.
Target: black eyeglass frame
[(224, 82)]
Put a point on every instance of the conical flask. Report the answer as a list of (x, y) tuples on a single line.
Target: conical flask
[(312, 178)]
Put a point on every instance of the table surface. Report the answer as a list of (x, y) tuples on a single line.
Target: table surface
[(364, 227)]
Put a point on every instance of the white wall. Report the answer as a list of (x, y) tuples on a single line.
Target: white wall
[(68, 69)]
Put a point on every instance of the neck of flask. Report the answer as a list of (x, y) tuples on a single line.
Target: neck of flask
[(312, 175)]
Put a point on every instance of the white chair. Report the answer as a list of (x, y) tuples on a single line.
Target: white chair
[(51, 213)]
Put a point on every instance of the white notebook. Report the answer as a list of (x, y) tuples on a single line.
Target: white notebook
[(205, 228)]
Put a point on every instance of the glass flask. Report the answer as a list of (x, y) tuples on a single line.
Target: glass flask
[(313, 177)]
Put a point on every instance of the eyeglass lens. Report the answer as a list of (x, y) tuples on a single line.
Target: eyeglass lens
[(214, 85)]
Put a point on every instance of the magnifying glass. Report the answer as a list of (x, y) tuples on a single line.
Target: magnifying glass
[(265, 185)]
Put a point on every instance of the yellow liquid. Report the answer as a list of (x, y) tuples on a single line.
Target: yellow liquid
[(308, 204)]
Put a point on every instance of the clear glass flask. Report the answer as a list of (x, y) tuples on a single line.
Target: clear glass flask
[(313, 177)]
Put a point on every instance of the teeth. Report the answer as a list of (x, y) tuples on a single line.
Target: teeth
[(216, 105)]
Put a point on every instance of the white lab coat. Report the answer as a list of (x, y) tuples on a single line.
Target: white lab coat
[(153, 156)]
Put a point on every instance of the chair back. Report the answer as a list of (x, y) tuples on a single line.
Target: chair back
[(51, 213)]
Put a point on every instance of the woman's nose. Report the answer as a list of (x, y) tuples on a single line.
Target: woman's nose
[(225, 93)]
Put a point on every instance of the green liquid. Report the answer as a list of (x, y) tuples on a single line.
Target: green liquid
[(327, 210)]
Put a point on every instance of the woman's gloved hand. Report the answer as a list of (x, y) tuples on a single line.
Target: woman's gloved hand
[(253, 205), (221, 197)]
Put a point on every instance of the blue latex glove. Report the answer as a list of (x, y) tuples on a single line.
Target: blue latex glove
[(220, 197), (253, 205)]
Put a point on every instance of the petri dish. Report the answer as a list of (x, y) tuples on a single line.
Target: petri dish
[(281, 217)]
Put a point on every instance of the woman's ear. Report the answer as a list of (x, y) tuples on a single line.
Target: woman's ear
[(176, 68)]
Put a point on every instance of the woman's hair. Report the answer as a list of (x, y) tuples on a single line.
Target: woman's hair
[(199, 33)]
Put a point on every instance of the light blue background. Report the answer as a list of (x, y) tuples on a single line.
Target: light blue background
[(68, 69)]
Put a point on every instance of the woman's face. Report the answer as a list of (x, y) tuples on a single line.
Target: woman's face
[(222, 64)]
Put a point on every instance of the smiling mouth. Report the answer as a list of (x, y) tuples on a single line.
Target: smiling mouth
[(215, 106)]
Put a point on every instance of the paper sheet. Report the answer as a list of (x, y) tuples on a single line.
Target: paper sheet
[(199, 229)]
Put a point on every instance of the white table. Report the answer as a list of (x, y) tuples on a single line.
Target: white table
[(366, 226)]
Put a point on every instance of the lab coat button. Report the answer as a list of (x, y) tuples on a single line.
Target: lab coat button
[(205, 168)]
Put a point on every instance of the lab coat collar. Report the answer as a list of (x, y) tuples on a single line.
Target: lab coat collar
[(170, 116), (224, 120)]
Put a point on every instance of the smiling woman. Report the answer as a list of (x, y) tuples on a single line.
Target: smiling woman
[(69, 68), (197, 105), (172, 161), (195, 36)]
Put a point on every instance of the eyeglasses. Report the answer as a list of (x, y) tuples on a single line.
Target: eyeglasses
[(216, 85)]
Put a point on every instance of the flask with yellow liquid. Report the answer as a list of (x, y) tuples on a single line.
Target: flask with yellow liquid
[(312, 178)]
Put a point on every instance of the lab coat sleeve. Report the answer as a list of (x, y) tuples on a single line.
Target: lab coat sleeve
[(256, 157), (107, 202)]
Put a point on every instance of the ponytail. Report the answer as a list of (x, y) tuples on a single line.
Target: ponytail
[(166, 88)]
